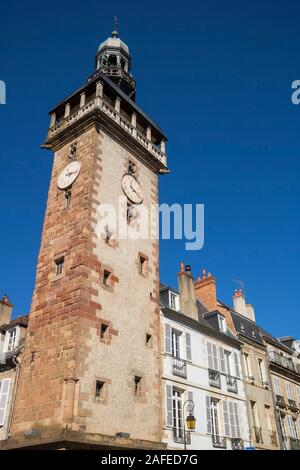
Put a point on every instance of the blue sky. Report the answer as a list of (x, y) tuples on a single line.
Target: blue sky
[(217, 77)]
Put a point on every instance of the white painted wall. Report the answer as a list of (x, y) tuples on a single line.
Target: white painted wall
[(197, 382)]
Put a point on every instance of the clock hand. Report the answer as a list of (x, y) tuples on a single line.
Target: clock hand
[(134, 190), (71, 173)]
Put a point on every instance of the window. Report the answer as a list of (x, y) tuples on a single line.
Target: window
[(131, 167), (298, 392), (142, 265), (137, 385), (59, 263), (10, 340), (106, 276), (292, 429), (289, 391), (173, 300), (176, 343), (68, 196), (222, 324), (4, 392), (103, 330), (261, 371), (148, 339), (268, 417), (99, 389), (248, 366), (212, 416), (177, 413), (277, 386)]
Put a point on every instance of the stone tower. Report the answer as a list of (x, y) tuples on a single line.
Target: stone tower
[(91, 364)]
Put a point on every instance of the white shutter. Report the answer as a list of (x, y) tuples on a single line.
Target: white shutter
[(291, 426), (210, 356), (277, 386), (237, 419), (289, 390), (215, 357), (208, 415), (169, 405), (236, 364), (231, 419), (4, 391), (222, 360), (188, 347), (168, 339), (226, 418)]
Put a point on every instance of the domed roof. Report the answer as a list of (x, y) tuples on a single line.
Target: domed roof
[(114, 41)]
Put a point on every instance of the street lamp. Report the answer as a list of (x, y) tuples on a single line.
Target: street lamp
[(190, 420)]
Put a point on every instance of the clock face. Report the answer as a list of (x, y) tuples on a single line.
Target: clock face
[(68, 175), (132, 189)]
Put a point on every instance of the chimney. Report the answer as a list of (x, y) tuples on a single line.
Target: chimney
[(240, 306), (5, 311), (187, 292), (205, 288)]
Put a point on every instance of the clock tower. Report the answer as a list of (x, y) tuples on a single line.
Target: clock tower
[(90, 374)]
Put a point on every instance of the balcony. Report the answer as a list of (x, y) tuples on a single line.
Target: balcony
[(294, 443), (280, 400), (178, 436), (114, 71), (231, 384), (100, 104), (292, 404), (214, 378), (273, 438), (179, 367), (219, 441), (237, 443), (258, 435), (282, 361)]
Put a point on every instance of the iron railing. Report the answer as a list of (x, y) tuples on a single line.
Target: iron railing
[(231, 384), (237, 443), (214, 378), (179, 367), (181, 436), (219, 441)]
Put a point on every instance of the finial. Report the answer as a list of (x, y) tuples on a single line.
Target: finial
[(115, 33)]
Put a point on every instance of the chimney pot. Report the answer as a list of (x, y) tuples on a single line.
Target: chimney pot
[(182, 266), (5, 299), (188, 268)]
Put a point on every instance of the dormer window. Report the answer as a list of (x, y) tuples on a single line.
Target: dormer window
[(174, 300), (222, 324), (11, 338)]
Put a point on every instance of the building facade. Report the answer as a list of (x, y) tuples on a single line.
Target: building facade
[(12, 338), (258, 387), (284, 366), (202, 366)]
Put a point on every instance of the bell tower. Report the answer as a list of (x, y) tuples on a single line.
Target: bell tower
[(91, 365)]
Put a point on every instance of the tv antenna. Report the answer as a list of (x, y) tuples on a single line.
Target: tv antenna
[(241, 284)]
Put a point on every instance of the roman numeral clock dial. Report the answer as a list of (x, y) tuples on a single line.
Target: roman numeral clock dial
[(68, 175), (132, 189)]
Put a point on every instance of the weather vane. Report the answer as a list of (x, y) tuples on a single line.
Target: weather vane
[(116, 24)]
